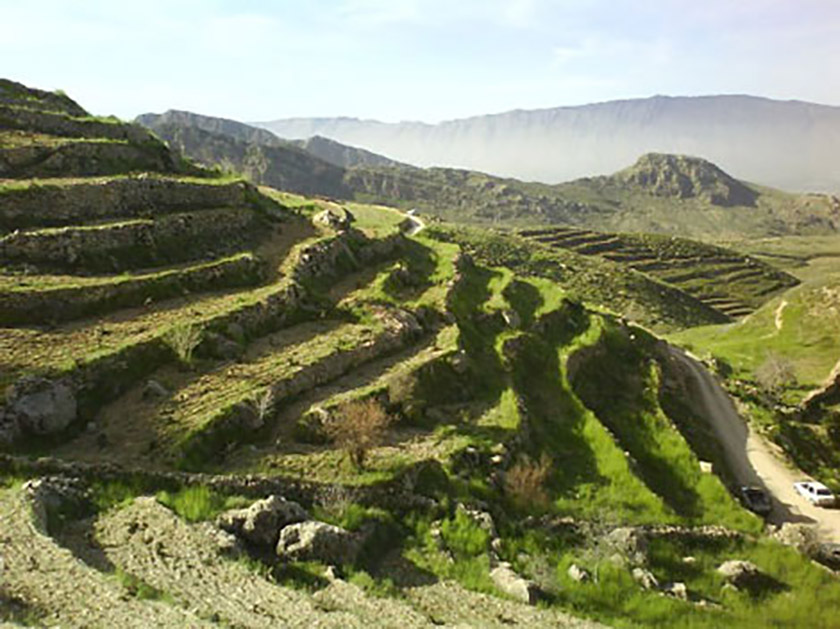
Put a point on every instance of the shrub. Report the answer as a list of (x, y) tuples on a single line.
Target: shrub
[(525, 483), (464, 537), (775, 373), (263, 405), (183, 339), (358, 426)]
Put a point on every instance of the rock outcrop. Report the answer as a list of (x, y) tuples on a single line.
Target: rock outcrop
[(261, 523), (318, 541)]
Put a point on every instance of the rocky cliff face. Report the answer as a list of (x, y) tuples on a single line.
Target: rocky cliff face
[(789, 145)]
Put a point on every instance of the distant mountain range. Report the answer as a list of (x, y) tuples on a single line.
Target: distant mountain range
[(663, 193), (786, 144)]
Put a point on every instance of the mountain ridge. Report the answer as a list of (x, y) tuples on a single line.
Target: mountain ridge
[(785, 144)]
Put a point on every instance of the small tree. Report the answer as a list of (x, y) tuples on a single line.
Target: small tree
[(263, 404), (357, 427), (525, 483), (183, 339), (775, 373)]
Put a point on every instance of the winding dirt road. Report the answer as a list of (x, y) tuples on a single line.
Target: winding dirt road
[(753, 460)]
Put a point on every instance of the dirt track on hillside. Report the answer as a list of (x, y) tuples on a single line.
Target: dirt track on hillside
[(752, 459)]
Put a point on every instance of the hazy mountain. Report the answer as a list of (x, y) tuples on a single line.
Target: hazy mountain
[(223, 126), (277, 164), (787, 144), (323, 148), (341, 154)]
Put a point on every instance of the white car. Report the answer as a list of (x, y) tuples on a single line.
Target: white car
[(815, 492)]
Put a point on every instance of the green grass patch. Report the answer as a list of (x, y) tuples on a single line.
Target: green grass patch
[(199, 503)]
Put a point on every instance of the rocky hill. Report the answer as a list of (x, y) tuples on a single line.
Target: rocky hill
[(682, 177), (241, 406), (784, 144)]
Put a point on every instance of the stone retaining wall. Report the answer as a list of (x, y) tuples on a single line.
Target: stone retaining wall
[(229, 425), (170, 239), (66, 304), (395, 494), (59, 204), (107, 377), (21, 117), (84, 159)]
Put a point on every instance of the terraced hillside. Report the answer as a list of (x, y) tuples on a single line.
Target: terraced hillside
[(731, 283), (468, 423)]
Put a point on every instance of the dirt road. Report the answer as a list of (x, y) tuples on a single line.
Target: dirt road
[(753, 460)]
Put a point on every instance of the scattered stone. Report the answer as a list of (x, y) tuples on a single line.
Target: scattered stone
[(336, 218), (227, 543), (41, 406), (802, 537), (332, 574), (741, 574), (317, 541), (645, 578), (512, 319), (629, 543), (677, 590), (512, 584), (154, 390), (460, 362), (689, 560), (576, 573), (482, 519), (262, 522)]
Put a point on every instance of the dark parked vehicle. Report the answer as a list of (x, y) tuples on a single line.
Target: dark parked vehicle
[(756, 500), (829, 555)]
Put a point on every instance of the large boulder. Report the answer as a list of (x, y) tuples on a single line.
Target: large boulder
[(318, 541), (41, 406), (261, 523), (742, 574), (512, 584)]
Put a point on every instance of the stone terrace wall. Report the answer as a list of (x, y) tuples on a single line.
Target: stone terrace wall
[(69, 303), (170, 239), (62, 125), (84, 158), (56, 204)]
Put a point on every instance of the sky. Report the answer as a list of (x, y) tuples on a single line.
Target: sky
[(427, 60)]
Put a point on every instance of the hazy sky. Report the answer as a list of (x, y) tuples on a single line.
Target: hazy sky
[(415, 59)]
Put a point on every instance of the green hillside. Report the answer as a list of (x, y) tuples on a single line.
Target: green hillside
[(175, 344)]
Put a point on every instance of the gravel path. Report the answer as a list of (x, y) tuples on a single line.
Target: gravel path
[(753, 460)]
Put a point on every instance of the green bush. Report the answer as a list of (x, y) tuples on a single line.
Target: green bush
[(464, 537)]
